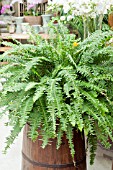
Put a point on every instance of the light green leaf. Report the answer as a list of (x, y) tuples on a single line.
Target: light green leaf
[(30, 86), (39, 93)]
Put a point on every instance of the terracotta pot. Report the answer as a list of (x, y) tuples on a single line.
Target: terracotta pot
[(33, 20), (110, 20)]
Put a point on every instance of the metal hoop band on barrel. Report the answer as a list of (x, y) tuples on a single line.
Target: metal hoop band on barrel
[(53, 165)]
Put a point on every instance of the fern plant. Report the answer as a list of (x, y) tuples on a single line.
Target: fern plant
[(60, 87)]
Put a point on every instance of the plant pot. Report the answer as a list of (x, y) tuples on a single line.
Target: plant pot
[(110, 20), (46, 18), (25, 27), (36, 158), (18, 21), (11, 28), (33, 20)]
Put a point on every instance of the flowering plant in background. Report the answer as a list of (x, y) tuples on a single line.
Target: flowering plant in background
[(91, 11), (31, 10), (90, 8), (32, 7), (4, 9)]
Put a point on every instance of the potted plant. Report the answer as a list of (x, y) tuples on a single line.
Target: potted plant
[(33, 12), (32, 16), (6, 8), (59, 87)]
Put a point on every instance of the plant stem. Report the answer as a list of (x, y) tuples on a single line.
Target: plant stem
[(85, 27), (100, 19)]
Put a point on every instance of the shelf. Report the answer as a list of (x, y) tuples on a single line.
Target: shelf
[(7, 36), (3, 49)]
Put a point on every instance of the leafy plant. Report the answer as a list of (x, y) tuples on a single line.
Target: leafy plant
[(32, 10), (59, 86)]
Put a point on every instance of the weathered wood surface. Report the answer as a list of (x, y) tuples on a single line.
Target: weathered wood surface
[(36, 158)]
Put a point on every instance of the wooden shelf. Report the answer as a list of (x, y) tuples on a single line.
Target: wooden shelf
[(7, 36), (3, 49)]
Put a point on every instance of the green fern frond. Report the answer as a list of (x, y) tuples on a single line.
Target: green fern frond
[(95, 102), (30, 85), (93, 146), (15, 87), (39, 92), (59, 137), (26, 108), (14, 133), (69, 135)]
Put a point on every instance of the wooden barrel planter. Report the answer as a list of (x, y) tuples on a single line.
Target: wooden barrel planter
[(36, 158)]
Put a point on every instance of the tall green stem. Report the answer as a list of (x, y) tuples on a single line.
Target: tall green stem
[(92, 24), (85, 27), (100, 19)]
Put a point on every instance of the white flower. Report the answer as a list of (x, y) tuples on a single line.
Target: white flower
[(50, 2), (89, 8), (66, 8), (69, 17), (2, 80), (62, 18)]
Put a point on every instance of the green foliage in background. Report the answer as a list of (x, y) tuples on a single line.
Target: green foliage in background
[(60, 86)]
